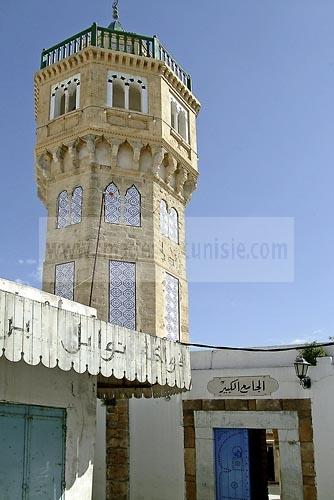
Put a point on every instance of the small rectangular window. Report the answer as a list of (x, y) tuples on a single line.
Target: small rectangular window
[(172, 308), (122, 294), (64, 280)]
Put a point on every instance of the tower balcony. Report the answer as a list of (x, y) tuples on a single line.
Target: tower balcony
[(119, 41)]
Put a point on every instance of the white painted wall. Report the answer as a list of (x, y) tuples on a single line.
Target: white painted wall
[(156, 449), (99, 476), (37, 385), (157, 469)]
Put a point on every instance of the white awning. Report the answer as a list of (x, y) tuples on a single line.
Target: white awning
[(41, 328)]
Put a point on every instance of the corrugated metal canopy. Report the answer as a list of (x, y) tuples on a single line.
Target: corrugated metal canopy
[(41, 328)]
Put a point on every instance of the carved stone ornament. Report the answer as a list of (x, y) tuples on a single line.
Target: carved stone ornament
[(181, 178), (171, 168), (157, 161)]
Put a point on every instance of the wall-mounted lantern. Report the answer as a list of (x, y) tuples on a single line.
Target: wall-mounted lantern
[(301, 367)]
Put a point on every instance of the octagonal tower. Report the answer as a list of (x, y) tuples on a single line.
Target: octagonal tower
[(116, 164)]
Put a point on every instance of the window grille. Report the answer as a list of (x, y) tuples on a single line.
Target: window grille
[(172, 314), (76, 205), (64, 280), (122, 294), (63, 210), (132, 207), (112, 203)]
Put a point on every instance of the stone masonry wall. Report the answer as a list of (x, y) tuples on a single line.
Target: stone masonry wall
[(301, 406)]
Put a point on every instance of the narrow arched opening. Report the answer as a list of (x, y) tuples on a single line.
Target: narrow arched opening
[(135, 97), (118, 94), (72, 97), (60, 102)]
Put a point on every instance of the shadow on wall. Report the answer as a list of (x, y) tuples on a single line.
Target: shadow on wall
[(38, 387)]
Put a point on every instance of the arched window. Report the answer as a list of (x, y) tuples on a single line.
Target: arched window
[(135, 97), (118, 94), (60, 101), (76, 205), (127, 92), (65, 96), (63, 210), (173, 226), (164, 223), (72, 97), (132, 207), (112, 204), (182, 125)]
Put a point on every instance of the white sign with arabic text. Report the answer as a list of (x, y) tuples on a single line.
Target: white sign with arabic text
[(260, 385)]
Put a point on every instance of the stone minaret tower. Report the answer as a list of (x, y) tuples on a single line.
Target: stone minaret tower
[(116, 164)]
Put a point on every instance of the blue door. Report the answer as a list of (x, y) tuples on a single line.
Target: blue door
[(232, 464), (32, 453)]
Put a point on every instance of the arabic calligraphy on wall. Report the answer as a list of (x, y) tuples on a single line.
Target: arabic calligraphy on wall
[(260, 385), (41, 333)]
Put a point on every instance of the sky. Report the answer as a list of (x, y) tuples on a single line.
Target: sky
[(263, 71)]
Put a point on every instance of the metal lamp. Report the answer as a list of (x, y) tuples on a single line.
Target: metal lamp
[(301, 367)]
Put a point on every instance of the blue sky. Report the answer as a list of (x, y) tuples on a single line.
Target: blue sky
[(264, 73)]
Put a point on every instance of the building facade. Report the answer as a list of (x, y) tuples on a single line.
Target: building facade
[(253, 401)]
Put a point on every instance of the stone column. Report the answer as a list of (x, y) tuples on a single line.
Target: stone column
[(118, 451)]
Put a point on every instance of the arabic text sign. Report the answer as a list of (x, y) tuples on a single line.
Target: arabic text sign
[(260, 385), (41, 333)]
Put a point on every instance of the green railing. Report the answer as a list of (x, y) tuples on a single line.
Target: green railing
[(119, 41)]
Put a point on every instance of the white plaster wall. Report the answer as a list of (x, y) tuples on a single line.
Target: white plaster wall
[(37, 385), (157, 464), (99, 476), (156, 449), (322, 414)]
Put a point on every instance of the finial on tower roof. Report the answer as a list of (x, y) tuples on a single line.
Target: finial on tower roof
[(115, 25), (115, 10)]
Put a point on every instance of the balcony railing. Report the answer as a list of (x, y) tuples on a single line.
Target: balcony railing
[(120, 41)]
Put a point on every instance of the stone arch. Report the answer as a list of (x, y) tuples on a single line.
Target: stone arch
[(103, 153), (125, 156), (146, 159), (82, 151), (67, 160)]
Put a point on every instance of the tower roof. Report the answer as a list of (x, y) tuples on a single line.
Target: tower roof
[(115, 25)]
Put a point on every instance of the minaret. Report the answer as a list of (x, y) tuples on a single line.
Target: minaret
[(116, 164)]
